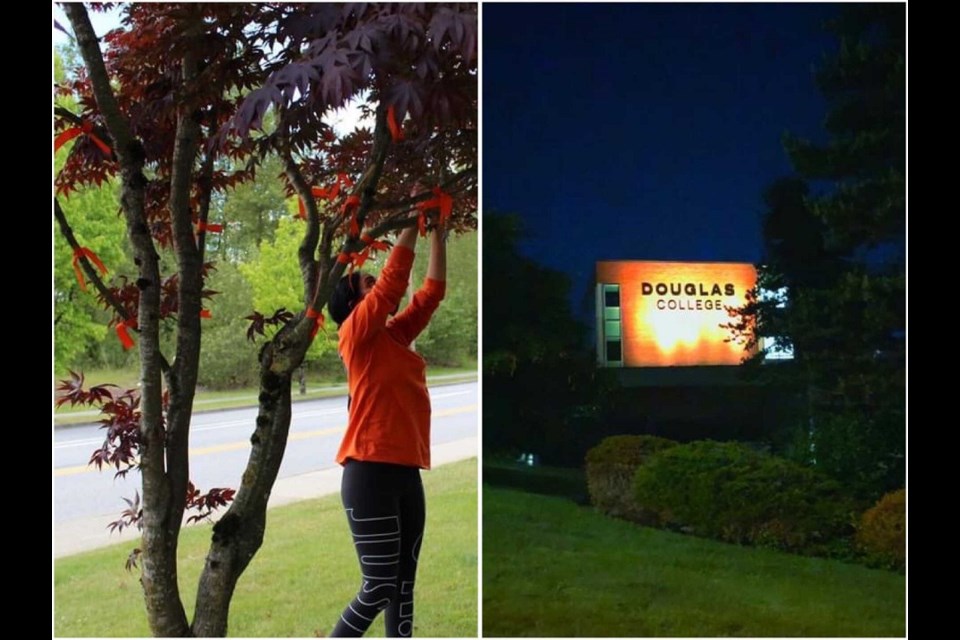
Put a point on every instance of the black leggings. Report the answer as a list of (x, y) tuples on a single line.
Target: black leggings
[(385, 510)]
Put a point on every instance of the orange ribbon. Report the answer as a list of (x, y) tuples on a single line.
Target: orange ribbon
[(352, 202), (317, 321), (395, 131), (443, 201), (92, 257), (359, 258), (333, 191), (376, 245), (208, 226), (329, 193), (73, 132), (125, 339), (354, 259), (205, 313)]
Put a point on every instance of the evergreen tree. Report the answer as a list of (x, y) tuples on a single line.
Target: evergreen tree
[(835, 255)]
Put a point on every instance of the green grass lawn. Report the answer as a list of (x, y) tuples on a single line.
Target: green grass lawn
[(551, 568), (551, 481), (304, 574)]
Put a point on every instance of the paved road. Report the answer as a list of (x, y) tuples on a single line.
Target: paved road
[(86, 500)]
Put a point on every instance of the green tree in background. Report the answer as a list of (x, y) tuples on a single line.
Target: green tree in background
[(451, 337), (253, 210), (79, 321), (276, 283), (226, 360)]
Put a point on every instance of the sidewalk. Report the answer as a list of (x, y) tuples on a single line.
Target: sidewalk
[(85, 534)]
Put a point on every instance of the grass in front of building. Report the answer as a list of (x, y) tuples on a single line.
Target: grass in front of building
[(301, 579), (552, 568)]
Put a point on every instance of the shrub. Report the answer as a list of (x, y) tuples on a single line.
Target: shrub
[(733, 493), (611, 466), (883, 530)]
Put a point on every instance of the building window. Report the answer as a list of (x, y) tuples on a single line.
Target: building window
[(613, 351), (611, 296), (609, 327)]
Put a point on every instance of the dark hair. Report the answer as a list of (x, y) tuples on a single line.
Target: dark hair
[(344, 297)]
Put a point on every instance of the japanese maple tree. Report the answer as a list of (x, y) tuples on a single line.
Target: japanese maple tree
[(186, 100)]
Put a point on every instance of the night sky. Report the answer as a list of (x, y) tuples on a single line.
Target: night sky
[(644, 131)]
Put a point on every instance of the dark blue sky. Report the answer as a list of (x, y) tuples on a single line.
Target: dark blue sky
[(644, 131)]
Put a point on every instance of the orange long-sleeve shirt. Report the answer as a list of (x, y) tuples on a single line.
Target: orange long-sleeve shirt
[(390, 405)]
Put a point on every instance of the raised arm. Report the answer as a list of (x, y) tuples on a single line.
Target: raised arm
[(407, 238), (408, 324), (437, 267)]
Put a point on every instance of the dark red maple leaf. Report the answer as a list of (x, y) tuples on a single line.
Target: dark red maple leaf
[(72, 391), (259, 322)]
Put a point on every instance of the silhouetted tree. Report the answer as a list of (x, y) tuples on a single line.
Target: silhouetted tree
[(536, 370), (835, 254)]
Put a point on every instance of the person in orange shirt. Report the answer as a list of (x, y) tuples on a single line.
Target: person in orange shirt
[(387, 440)]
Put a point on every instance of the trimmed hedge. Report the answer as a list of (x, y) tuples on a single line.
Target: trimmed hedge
[(882, 533), (611, 466), (730, 492)]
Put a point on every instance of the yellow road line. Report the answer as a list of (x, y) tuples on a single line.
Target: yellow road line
[(245, 444)]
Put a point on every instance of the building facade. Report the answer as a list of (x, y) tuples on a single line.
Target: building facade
[(669, 314)]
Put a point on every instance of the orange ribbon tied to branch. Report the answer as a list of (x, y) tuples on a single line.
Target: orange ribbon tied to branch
[(317, 321), (332, 192), (125, 340), (327, 193), (71, 133), (205, 313), (354, 259), (442, 201), (352, 202), (210, 227), (358, 258), (92, 257), (375, 245), (395, 131)]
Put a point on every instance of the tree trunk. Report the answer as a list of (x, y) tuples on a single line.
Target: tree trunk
[(239, 533), (165, 613)]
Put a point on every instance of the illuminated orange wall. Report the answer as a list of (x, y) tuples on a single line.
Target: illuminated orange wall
[(685, 335)]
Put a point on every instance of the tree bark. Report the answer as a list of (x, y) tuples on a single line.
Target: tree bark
[(165, 613), (239, 533)]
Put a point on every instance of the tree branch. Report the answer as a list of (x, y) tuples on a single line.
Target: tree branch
[(459, 178), (92, 274), (125, 146), (311, 236), (182, 380)]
